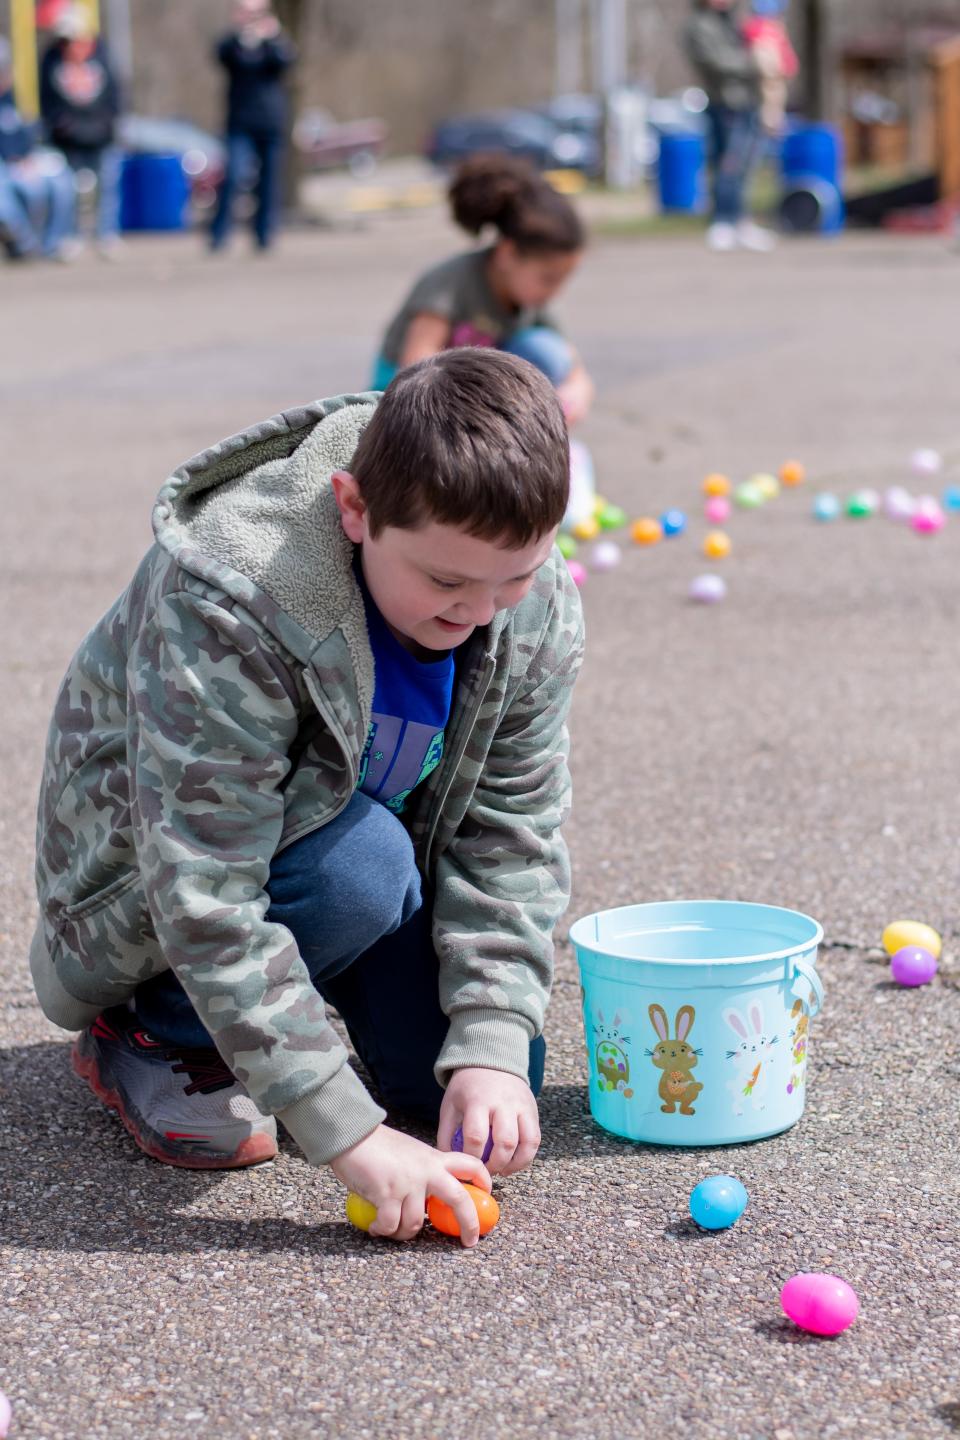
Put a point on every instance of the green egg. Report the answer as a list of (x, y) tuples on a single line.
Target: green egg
[(611, 517), (567, 546)]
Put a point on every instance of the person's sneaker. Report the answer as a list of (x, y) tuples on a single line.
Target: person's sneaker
[(181, 1106), (722, 236), (754, 237)]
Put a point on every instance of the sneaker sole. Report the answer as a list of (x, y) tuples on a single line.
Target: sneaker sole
[(255, 1150)]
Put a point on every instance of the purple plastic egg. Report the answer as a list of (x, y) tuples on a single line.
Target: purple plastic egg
[(708, 589), (457, 1144), (912, 965), (717, 509), (898, 503), (822, 1304), (605, 555)]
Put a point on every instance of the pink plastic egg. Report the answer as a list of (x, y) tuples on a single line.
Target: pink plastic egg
[(928, 521), (822, 1304), (578, 573), (717, 509)]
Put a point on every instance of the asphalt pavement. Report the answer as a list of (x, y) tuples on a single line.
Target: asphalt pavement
[(797, 745)]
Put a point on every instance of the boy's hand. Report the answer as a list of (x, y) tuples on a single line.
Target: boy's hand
[(576, 395), (396, 1174), (483, 1100)]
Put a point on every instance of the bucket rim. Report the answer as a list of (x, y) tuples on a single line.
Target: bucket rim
[(580, 939)]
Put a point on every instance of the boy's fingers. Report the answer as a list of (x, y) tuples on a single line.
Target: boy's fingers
[(449, 1120), (505, 1140), (463, 1207), (476, 1129), (468, 1167), (411, 1217), (388, 1218), (528, 1144)]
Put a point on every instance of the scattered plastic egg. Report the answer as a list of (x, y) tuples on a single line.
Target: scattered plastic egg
[(717, 484), (567, 546), (951, 497), (674, 522), (708, 589), (860, 505), (605, 555), (718, 1202), (911, 932), (646, 531), (611, 517), (717, 509), (792, 473), (926, 462), (359, 1211), (826, 507), (578, 573), (748, 497), (442, 1218), (717, 545), (768, 485), (927, 521), (822, 1304), (587, 528), (898, 503), (457, 1144), (913, 965)]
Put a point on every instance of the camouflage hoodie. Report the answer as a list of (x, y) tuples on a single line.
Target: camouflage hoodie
[(217, 713)]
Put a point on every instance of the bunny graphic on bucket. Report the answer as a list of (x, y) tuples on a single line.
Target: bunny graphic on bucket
[(719, 982)]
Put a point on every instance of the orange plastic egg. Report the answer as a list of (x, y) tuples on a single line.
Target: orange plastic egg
[(442, 1218), (646, 530), (716, 545), (792, 473), (717, 485)]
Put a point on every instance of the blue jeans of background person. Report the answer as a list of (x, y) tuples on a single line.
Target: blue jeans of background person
[(350, 894), (37, 207), (244, 153), (735, 139), (104, 165)]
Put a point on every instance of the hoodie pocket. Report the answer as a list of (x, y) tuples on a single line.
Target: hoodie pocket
[(105, 943)]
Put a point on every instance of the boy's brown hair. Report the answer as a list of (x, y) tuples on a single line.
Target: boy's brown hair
[(472, 438)]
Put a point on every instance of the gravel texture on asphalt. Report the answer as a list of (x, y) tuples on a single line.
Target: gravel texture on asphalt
[(797, 744)]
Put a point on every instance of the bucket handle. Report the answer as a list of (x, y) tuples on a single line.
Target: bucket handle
[(806, 971)]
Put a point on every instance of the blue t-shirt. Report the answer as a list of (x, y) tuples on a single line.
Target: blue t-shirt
[(411, 707)]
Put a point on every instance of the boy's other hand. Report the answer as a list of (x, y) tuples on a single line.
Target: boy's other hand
[(396, 1174), (479, 1101)]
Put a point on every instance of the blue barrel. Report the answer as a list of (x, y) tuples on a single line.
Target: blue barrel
[(682, 172), (153, 193), (811, 164)]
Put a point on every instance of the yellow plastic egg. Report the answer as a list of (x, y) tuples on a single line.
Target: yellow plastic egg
[(717, 485), (911, 932), (767, 485), (587, 529), (360, 1212), (646, 530), (599, 505), (716, 545)]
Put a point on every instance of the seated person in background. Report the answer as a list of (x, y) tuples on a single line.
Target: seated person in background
[(37, 196)]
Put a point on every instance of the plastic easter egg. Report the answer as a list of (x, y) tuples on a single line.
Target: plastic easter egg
[(717, 509), (748, 497), (912, 965), (926, 462), (360, 1212), (578, 573), (898, 503), (826, 507), (860, 505), (600, 502), (587, 529), (911, 932), (674, 522), (717, 484), (951, 497), (768, 485), (567, 546), (822, 1304), (442, 1218), (718, 1202), (605, 555), (457, 1144), (792, 473), (611, 517), (927, 521), (6, 1414), (708, 589), (646, 531), (717, 545)]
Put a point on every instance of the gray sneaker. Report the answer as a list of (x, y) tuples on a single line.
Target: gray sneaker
[(183, 1107)]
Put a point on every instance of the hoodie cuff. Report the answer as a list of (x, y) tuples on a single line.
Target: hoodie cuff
[(328, 1121), (490, 1039)]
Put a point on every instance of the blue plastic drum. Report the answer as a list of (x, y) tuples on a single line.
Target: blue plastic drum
[(682, 171), (696, 1015), (154, 192)]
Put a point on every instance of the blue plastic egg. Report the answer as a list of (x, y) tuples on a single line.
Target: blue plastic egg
[(674, 522), (951, 497), (826, 507), (718, 1202)]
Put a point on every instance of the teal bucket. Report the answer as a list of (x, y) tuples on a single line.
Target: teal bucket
[(696, 1016)]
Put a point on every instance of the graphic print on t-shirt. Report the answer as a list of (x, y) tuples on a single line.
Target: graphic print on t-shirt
[(397, 756)]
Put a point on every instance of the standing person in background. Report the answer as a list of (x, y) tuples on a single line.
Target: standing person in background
[(731, 72), (256, 56), (80, 102)]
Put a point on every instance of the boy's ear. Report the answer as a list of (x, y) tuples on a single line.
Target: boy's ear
[(350, 503)]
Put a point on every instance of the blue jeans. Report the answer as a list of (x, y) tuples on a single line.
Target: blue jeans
[(735, 139), (104, 165), (244, 152), (350, 894), (37, 208)]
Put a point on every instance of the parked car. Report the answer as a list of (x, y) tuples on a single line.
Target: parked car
[(513, 132), (202, 155), (328, 144)]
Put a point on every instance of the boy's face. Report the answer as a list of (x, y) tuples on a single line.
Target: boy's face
[(435, 585)]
